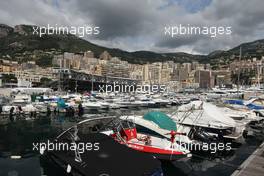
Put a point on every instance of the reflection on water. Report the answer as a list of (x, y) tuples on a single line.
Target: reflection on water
[(25, 166), (17, 138)]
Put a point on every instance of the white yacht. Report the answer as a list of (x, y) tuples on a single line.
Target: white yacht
[(91, 104), (209, 118), (21, 99), (159, 101), (217, 93), (146, 101)]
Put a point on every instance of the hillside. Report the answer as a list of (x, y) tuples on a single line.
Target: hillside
[(19, 42)]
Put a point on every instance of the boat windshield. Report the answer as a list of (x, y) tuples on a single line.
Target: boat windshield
[(97, 125)]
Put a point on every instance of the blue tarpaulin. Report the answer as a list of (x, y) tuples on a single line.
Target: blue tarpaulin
[(237, 102), (253, 106)]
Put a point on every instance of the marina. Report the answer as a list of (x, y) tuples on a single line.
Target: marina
[(198, 124), (131, 88)]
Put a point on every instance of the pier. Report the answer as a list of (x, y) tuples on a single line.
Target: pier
[(254, 165)]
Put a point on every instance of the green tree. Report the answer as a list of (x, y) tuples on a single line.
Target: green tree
[(44, 61)]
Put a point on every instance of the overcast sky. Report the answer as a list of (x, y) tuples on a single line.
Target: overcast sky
[(139, 24)]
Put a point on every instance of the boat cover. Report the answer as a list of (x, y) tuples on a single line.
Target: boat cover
[(209, 116), (161, 119), (237, 102), (61, 104)]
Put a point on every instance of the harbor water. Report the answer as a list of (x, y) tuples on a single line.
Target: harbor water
[(17, 138)]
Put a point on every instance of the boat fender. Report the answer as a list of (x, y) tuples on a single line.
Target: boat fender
[(15, 157), (42, 150), (68, 168)]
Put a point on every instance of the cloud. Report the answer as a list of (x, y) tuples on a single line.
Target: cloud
[(139, 24)]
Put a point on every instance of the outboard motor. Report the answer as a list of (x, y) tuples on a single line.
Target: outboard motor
[(200, 135)]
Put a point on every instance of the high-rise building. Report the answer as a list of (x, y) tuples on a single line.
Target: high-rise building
[(105, 56), (115, 68), (88, 54), (205, 79), (187, 67)]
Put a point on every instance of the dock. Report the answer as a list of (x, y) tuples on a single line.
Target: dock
[(254, 165)]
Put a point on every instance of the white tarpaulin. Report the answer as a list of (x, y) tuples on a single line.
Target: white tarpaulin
[(203, 114)]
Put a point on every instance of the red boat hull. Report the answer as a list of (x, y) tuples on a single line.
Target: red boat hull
[(159, 153)]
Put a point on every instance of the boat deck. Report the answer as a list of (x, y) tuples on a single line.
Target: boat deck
[(254, 165)]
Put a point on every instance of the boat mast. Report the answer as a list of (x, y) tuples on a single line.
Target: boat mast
[(258, 70), (76, 86), (60, 72), (238, 75), (93, 70)]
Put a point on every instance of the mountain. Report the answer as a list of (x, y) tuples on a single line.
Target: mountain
[(19, 43), (249, 50), (5, 30), (20, 39)]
